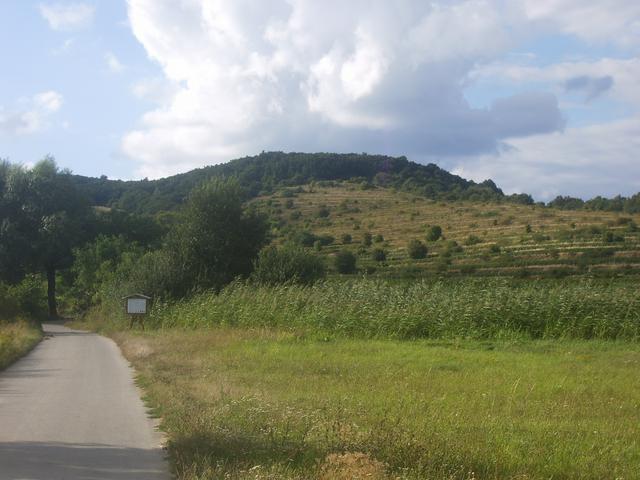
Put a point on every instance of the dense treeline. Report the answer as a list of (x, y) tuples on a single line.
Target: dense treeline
[(615, 204), (268, 171), (271, 170)]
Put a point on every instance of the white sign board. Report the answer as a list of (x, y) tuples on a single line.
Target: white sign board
[(136, 305)]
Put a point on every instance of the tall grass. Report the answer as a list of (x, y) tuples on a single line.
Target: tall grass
[(16, 339), (472, 308)]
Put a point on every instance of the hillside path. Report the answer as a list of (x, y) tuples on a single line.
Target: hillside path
[(70, 410)]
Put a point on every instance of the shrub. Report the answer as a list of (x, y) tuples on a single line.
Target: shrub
[(346, 239), (417, 249), (290, 264), (472, 240), (325, 240), (323, 212), (304, 238), (494, 248), (378, 255), (528, 228), (345, 262), (610, 237), (295, 215), (378, 238), (289, 203), (434, 233), (366, 239)]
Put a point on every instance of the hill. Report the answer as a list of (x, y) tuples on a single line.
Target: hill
[(478, 238), (266, 172)]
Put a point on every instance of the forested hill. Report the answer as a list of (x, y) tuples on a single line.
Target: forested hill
[(267, 171)]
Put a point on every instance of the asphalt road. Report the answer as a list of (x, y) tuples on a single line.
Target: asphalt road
[(70, 411)]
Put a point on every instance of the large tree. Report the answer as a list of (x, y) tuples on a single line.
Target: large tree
[(43, 217)]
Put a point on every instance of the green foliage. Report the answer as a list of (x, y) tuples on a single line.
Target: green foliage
[(434, 233), (378, 238), (417, 249), (304, 238), (481, 309), (216, 241), (494, 249), (25, 299), (472, 240), (346, 239), (43, 217), (378, 255), (323, 212), (268, 171), (345, 262), (367, 239), (96, 263), (289, 264)]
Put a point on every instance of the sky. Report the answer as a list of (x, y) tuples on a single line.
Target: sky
[(542, 96)]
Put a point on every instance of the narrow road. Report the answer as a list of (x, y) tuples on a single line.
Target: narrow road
[(70, 411)]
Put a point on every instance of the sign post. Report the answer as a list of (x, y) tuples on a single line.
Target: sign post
[(136, 306)]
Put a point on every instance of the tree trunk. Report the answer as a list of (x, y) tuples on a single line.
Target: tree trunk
[(51, 293)]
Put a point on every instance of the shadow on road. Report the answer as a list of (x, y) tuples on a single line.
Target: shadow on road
[(61, 461)]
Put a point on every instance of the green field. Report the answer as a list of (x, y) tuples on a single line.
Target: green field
[(369, 379), (259, 404), (491, 238)]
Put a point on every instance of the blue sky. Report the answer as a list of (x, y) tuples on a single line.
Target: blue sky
[(539, 95)]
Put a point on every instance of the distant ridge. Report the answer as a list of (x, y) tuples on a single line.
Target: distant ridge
[(271, 170)]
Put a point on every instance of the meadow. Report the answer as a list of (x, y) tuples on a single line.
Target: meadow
[(463, 379), (264, 404)]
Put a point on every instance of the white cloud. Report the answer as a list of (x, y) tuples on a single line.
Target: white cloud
[(388, 77), (582, 161), (299, 74), (32, 114), (113, 63), (601, 21), (67, 16)]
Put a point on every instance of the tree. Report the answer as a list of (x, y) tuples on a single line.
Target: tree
[(434, 233), (417, 249), (217, 239), (43, 219), (345, 262), (289, 264)]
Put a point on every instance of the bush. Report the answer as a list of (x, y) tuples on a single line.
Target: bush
[(346, 239), (290, 264), (325, 240), (434, 233), (378, 238), (366, 239), (323, 212), (304, 238), (472, 240), (378, 255), (494, 249), (417, 249), (345, 262)]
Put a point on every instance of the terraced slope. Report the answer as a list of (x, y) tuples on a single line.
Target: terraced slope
[(477, 238)]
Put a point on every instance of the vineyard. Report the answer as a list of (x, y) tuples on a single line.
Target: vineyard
[(476, 238)]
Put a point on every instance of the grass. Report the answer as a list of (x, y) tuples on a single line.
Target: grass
[(266, 404), (442, 309), (16, 339)]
